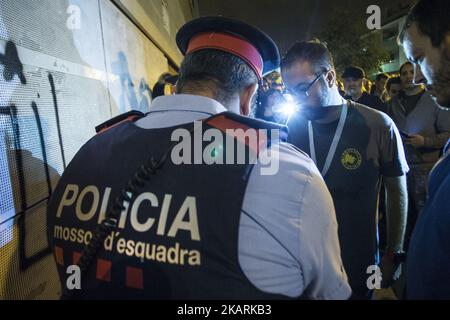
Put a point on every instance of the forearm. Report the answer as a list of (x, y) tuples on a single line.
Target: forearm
[(397, 211), (436, 141)]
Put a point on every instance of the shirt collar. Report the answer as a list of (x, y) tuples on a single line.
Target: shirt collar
[(187, 102)]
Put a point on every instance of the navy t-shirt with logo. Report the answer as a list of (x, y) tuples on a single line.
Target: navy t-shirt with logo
[(370, 147)]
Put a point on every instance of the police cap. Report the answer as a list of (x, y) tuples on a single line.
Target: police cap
[(245, 41)]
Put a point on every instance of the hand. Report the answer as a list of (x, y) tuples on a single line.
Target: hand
[(388, 269), (415, 140)]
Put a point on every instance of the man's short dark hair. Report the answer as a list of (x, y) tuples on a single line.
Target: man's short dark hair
[(220, 72), (407, 63), (432, 20), (391, 81), (381, 76), (313, 51)]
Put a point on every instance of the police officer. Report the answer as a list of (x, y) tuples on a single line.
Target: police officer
[(143, 220)]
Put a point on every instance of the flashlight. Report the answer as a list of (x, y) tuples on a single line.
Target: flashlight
[(287, 107)]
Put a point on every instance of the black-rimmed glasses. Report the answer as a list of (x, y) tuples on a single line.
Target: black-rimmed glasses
[(302, 89)]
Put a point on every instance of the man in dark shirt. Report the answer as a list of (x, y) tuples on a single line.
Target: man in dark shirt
[(393, 87), (426, 40), (353, 78), (354, 147), (380, 87)]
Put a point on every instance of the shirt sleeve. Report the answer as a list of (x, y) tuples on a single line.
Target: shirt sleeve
[(442, 127), (320, 253), (288, 241), (392, 154), (447, 147)]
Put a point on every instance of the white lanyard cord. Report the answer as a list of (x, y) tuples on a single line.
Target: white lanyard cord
[(334, 143)]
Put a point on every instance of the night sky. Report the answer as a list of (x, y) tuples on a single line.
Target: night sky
[(289, 20)]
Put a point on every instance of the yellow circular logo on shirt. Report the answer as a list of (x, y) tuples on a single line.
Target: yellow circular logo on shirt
[(351, 159)]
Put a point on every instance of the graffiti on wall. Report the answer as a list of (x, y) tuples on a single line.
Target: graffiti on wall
[(129, 100), (56, 84), (13, 67)]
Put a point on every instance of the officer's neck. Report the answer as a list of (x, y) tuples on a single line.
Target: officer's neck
[(232, 105)]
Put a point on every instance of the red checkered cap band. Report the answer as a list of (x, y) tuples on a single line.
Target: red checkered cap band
[(228, 43)]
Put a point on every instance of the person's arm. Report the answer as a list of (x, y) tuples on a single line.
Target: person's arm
[(397, 211), (288, 239), (393, 169), (396, 219), (436, 141), (324, 274), (439, 138), (442, 125)]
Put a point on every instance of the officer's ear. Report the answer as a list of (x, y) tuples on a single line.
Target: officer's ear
[(245, 99)]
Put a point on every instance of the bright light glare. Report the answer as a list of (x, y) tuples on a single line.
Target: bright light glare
[(288, 107), (288, 97)]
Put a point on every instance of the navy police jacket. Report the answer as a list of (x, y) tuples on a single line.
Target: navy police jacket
[(176, 236)]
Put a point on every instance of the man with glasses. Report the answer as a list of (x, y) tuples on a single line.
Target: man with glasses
[(354, 147)]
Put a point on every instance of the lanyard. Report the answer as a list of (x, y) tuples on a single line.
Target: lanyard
[(334, 144)]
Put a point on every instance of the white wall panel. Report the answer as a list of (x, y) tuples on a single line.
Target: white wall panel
[(65, 67)]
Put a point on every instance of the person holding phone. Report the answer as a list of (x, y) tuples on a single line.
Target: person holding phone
[(424, 128), (426, 41)]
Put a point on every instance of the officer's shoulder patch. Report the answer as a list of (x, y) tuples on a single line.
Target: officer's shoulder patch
[(229, 120), (241, 128), (132, 115)]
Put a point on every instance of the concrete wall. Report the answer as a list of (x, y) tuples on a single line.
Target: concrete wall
[(160, 20), (65, 67)]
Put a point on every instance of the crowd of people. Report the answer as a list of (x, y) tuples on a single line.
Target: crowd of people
[(358, 159), (423, 129)]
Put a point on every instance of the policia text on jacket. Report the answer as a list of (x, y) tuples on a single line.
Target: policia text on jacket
[(185, 221)]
